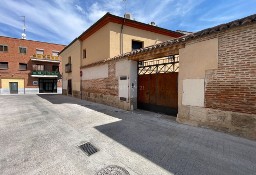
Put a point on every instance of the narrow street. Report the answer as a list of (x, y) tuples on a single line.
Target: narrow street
[(40, 134)]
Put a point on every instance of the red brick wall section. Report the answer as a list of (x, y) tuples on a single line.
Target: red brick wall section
[(104, 86), (13, 57), (232, 87)]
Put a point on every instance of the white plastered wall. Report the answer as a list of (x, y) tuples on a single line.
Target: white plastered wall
[(127, 68), (195, 59), (193, 92), (95, 72), (122, 71)]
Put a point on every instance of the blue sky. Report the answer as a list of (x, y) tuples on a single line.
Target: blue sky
[(60, 21)]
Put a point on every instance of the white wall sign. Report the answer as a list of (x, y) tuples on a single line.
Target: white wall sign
[(35, 83)]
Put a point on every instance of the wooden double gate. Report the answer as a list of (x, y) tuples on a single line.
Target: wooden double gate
[(158, 87)]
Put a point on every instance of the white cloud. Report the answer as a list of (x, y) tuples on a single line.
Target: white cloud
[(63, 20), (99, 9), (164, 10), (95, 12), (80, 9), (49, 20)]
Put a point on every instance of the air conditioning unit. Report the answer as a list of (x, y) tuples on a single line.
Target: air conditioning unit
[(127, 16)]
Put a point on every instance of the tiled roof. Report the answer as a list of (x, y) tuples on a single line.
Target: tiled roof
[(216, 29), (107, 18), (222, 27)]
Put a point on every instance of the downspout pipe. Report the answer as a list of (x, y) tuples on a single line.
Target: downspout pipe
[(121, 37), (81, 58)]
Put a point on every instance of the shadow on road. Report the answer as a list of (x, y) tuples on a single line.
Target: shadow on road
[(180, 149)]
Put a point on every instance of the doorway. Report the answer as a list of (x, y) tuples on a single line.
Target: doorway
[(47, 85), (158, 85), (70, 87), (13, 87)]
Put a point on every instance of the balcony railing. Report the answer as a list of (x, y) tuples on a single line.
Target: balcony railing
[(45, 73), (68, 68), (45, 58)]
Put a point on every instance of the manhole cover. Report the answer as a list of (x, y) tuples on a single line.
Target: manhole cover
[(88, 148), (113, 170)]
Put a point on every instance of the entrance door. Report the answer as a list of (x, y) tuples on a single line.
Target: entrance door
[(13, 87), (158, 86), (70, 87), (47, 85)]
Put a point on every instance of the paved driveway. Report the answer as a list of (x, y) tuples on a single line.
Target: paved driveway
[(40, 135)]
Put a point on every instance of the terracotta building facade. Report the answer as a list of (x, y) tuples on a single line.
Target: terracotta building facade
[(29, 67)]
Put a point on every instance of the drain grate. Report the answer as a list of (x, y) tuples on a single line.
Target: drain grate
[(88, 148), (113, 169)]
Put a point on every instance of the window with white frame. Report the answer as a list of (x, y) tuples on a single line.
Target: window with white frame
[(3, 48), (38, 67), (55, 53), (39, 51), (23, 50)]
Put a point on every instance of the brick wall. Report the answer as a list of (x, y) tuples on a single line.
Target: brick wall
[(104, 90), (13, 57), (106, 86), (232, 87), (230, 90)]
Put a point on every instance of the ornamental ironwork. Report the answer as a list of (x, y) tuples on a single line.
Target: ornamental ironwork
[(159, 65)]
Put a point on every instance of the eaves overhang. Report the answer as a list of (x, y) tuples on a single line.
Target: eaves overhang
[(107, 18)]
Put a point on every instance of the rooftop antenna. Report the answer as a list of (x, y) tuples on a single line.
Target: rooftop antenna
[(125, 4), (23, 35)]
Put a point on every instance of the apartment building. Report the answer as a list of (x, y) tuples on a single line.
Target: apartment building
[(29, 67)]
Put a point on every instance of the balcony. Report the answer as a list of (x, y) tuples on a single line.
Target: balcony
[(46, 74), (68, 68), (45, 58)]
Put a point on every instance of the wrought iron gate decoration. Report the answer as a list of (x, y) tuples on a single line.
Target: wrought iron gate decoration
[(158, 85), (160, 65)]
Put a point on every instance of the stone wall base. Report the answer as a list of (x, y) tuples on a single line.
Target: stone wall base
[(6, 91), (106, 99), (64, 92), (232, 122), (76, 94)]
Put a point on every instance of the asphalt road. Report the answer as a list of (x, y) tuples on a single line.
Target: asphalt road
[(40, 134)]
